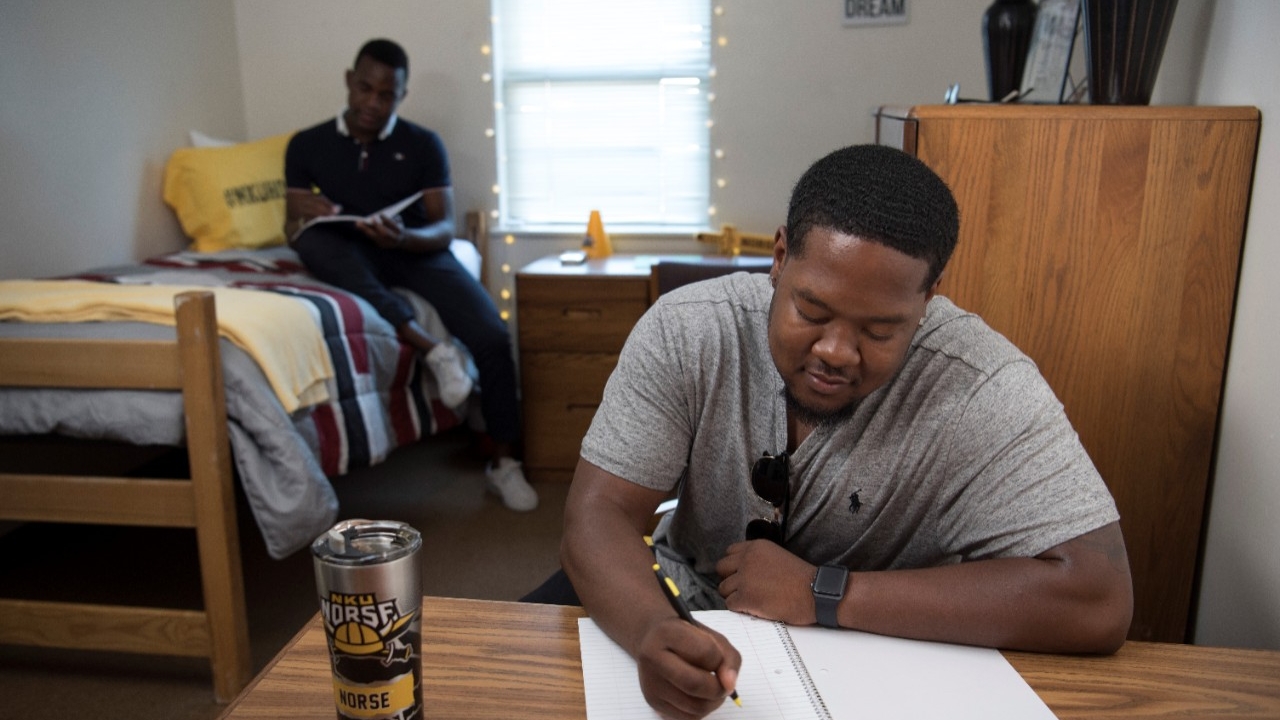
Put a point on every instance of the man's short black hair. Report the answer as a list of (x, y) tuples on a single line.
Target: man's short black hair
[(387, 52), (877, 193)]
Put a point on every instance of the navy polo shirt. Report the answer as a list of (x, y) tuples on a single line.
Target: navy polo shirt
[(366, 178)]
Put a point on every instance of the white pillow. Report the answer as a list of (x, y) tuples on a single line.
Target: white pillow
[(200, 140), (468, 255)]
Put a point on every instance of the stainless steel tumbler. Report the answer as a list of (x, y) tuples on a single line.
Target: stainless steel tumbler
[(370, 588)]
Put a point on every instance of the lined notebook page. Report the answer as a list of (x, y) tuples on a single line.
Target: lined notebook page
[(861, 675), (772, 684)]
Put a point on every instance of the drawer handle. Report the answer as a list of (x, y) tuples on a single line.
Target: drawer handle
[(582, 313)]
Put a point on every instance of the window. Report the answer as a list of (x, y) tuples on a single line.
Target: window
[(602, 106)]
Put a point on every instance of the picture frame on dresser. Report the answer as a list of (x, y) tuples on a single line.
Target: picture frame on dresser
[(1047, 73)]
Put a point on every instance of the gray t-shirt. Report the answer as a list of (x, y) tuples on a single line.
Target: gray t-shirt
[(966, 454)]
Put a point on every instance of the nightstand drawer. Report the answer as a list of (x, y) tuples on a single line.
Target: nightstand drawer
[(561, 394), (578, 314)]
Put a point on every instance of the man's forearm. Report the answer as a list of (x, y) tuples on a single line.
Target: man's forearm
[(1046, 604), (428, 238), (604, 554), (613, 579)]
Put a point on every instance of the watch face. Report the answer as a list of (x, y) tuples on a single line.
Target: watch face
[(830, 581)]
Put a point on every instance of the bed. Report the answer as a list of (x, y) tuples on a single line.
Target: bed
[(377, 398), (292, 380)]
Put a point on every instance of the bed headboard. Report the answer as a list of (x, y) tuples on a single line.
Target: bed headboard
[(475, 229)]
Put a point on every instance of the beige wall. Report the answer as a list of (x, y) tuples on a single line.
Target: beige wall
[(1240, 589), (96, 95)]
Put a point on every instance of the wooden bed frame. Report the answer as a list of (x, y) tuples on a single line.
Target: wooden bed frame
[(205, 501)]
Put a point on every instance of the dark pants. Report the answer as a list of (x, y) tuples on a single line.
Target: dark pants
[(346, 259), (555, 590)]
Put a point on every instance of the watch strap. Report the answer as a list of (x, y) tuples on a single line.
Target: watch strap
[(828, 590)]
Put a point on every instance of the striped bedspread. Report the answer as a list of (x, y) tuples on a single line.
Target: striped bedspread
[(380, 395), (380, 398)]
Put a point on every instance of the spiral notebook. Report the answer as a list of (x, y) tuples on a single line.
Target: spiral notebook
[(811, 673)]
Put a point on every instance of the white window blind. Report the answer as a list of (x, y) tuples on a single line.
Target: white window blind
[(602, 105)]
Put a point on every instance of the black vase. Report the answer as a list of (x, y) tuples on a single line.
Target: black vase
[(1125, 41), (1006, 34)]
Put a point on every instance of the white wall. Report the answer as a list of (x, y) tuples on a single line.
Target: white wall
[(96, 96), (1240, 588)]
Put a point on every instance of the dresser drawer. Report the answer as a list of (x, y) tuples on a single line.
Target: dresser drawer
[(561, 394), (578, 314)]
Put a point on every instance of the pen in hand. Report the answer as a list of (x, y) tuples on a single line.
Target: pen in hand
[(672, 592)]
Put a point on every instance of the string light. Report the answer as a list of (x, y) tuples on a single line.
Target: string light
[(721, 41), (504, 289)]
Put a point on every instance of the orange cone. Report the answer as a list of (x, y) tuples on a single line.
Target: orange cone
[(597, 243)]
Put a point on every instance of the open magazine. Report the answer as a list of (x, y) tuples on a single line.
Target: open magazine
[(390, 210)]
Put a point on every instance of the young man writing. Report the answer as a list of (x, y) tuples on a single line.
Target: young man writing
[(848, 447)]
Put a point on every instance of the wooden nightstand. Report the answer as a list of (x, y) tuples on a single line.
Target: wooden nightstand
[(573, 320)]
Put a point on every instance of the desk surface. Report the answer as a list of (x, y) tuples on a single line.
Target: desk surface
[(487, 660), (635, 266)]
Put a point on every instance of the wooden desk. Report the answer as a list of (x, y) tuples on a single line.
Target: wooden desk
[(490, 660)]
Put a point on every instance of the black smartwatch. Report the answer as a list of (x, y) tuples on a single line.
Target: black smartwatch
[(828, 588)]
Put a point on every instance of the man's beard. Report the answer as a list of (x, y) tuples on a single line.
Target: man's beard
[(815, 417)]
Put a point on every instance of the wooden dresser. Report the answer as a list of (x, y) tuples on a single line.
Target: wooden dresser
[(1105, 242)]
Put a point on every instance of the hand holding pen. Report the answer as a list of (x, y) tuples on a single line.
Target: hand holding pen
[(672, 591), (305, 204)]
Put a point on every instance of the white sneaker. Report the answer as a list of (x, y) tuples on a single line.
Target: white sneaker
[(506, 480), (447, 365)]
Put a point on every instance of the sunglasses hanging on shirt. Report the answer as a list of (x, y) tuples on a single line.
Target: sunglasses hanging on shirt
[(770, 478)]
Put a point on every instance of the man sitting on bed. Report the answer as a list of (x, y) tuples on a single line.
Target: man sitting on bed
[(367, 159), (849, 448)]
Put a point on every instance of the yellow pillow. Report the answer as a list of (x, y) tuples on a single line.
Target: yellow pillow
[(229, 197)]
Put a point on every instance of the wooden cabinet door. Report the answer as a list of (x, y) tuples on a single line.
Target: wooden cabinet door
[(1105, 243)]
